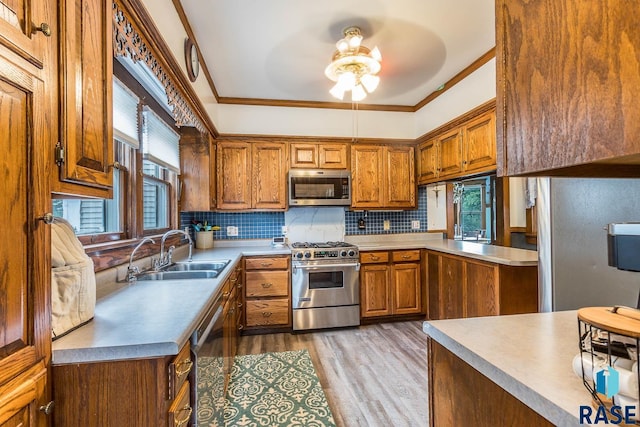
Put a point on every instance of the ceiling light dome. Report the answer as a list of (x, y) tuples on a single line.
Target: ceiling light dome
[(354, 67)]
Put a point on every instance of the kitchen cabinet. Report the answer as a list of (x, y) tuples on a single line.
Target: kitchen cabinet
[(390, 283), (267, 297), (86, 126), (383, 177), (567, 80), (25, 305), (465, 287), (231, 313), (318, 156), (460, 395), (468, 148), (251, 175), (136, 392), (198, 171)]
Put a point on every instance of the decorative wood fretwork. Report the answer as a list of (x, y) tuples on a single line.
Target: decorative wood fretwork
[(127, 41)]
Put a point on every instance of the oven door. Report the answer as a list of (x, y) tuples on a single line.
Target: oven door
[(325, 284), (207, 347)]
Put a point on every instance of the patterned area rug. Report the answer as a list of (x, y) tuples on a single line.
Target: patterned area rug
[(274, 390)]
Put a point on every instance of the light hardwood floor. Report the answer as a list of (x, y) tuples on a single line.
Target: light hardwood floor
[(373, 375)]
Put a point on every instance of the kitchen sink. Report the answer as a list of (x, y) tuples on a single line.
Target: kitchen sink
[(217, 265), (178, 275)]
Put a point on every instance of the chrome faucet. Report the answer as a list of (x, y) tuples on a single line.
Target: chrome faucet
[(132, 270), (165, 258)]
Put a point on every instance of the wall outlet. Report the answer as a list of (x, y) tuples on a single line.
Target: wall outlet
[(387, 225), (415, 224), (232, 230), (285, 230)]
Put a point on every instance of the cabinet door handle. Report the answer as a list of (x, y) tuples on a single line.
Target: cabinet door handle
[(183, 367), (44, 27), (374, 258), (48, 408), (266, 314), (266, 285), (187, 409), (406, 256), (240, 327), (266, 264)]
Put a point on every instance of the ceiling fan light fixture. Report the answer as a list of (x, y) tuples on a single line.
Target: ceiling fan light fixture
[(358, 93), (354, 66), (337, 92), (370, 82)]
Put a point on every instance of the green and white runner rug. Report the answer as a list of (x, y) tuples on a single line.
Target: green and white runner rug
[(274, 390)]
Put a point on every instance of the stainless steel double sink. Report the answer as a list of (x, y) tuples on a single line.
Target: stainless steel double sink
[(186, 270)]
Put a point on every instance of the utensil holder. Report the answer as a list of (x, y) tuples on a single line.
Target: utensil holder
[(204, 239)]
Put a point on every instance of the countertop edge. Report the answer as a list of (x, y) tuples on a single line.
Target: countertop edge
[(540, 404)]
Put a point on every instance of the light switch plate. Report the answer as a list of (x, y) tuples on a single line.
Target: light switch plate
[(415, 224), (232, 231), (387, 225)]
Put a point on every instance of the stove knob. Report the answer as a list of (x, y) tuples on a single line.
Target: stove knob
[(299, 255), (307, 254), (352, 252), (343, 253)]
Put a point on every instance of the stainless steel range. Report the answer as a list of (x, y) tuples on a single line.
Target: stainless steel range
[(325, 286)]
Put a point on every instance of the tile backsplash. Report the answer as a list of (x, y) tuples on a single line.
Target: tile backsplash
[(265, 225)]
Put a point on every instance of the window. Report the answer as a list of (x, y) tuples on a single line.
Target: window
[(474, 205), (143, 189)]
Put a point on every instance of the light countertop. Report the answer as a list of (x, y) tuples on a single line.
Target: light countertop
[(491, 253), (528, 355), (150, 318)]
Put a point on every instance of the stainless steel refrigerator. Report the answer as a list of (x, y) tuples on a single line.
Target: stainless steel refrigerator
[(572, 242)]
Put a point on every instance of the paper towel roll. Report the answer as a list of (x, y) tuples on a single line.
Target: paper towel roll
[(621, 362), (578, 361), (625, 401)]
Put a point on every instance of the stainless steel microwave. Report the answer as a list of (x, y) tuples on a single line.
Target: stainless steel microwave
[(319, 187)]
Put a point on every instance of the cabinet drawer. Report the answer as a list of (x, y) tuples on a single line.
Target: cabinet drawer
[(269, 312), (267, 283), (374, 257), (179, 369), (279, 263), (180, 410), (401, 256)]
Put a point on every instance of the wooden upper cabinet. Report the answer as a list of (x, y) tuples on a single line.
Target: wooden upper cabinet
[(367, 176), (568, 77), (382, 176), (450, 151), (86, 59), (304, 155), (198, 170), (462, 149), (18, 22), (480, 144), (251, 175), (318, 156), (234, 175), (401, 177), (333, 156), (25, 282), (269, 174), (427, 161)]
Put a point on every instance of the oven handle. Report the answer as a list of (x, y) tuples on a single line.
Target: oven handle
[(311, 267)]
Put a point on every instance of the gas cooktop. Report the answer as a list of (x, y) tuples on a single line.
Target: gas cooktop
[(308, 245), (315, 251)]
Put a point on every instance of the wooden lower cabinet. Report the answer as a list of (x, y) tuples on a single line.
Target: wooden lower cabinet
[(390, 283), (460, 395), (138, 392), (464, 287), (267, 296)]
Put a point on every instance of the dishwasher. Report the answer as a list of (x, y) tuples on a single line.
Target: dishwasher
[(207, 394)]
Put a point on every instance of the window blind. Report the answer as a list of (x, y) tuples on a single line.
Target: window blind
[(160, 143), (125, 115)]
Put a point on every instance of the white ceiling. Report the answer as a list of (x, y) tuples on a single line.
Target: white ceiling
[(278, 49)]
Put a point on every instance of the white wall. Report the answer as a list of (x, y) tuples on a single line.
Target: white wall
[(517, 202), (436, 207)]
